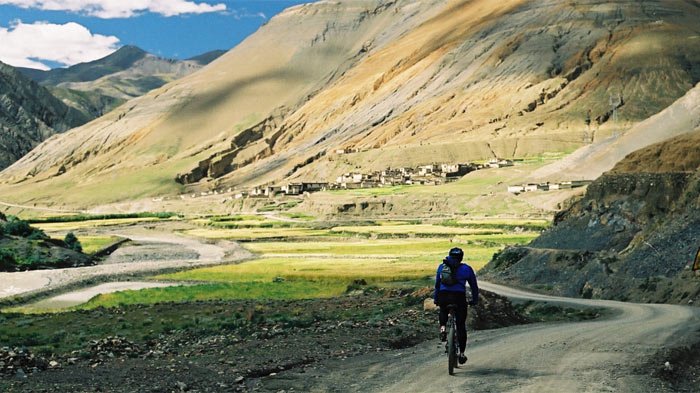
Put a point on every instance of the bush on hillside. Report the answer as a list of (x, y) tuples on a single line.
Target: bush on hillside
[(16, 227), (7, 260), (72, 242)]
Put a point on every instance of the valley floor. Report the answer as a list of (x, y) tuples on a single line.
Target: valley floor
[(381, 343), (368, 338)]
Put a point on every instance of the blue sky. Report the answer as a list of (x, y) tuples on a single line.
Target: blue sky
[(50, 33)]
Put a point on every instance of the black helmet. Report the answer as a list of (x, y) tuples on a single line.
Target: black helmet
[(457, 253)]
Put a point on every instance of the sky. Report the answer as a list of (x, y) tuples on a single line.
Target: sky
[(46, 34)]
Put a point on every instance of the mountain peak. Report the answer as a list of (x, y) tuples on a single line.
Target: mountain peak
[(123, 57), (207, 57)]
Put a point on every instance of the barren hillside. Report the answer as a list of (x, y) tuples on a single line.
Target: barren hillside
[(138, 150), (396, 83), (590, 161), (632, 237), (485, 79)]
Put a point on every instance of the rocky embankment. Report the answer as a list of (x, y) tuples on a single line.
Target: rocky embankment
[(633, 236)]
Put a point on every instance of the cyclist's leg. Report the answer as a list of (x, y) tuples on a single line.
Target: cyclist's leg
[(461, 314), (443, 301)]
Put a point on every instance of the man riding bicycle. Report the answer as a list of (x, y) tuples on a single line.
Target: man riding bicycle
[(450, 288)]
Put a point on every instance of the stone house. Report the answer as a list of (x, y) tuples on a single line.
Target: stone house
[(292, 189), (313, 186)]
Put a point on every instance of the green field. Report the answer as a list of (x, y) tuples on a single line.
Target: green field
[(93, 244), (314, 259), (388, 247), (251, 234), (416, 229), (67, 226), (325, 267), (217, 291)]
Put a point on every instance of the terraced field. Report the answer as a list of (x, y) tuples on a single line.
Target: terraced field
[(309, 259)]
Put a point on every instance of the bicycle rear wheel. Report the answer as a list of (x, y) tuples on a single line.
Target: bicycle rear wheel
[(451, 345)]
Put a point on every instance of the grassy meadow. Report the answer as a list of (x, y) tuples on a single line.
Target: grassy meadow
[(300, 257), (93, 244), (316, 260)]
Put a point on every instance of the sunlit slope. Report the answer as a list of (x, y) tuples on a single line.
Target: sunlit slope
[(138, 149), (589, 162), (485, 79), (403, 83)]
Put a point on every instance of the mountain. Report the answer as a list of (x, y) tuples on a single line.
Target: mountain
[(633, 236), (208, 57), (122, 59), (28, 115), (398, 83), (99, 86)]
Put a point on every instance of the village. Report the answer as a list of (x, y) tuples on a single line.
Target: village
[(530, 187), (431, 174)]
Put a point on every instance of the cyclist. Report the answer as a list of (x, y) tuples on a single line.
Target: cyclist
[(447, 293)]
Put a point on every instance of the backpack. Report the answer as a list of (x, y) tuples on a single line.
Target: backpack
[(448, 275)]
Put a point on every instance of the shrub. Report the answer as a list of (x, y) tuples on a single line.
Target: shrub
[(72, 242), (16, 227), (37, 234), (508, 257), (7, 260)]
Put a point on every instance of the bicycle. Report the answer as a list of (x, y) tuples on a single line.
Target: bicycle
[(451, 347)]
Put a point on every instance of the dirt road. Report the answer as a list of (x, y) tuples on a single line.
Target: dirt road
[(132, 259), (603, 355)]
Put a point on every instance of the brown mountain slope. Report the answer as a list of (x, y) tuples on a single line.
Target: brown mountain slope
[(592, 160), (632, 237), (139, 149), (404, 82), (488, 79), (679, 154)]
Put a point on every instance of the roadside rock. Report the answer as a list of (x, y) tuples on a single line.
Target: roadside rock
[(19, 362), (113, 346), (429, 305)]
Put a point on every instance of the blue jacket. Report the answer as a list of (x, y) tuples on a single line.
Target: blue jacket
[(465, 274)]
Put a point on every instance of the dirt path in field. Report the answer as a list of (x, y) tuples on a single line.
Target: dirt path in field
[(149, 252), (604, 355), (40, 208), (83, 295)]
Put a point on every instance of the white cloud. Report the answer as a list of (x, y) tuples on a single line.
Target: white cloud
[(119, 8), (27, 45)]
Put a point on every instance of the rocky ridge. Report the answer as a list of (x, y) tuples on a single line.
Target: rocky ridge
[(633, 236), (99, 86), (29, 114)]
